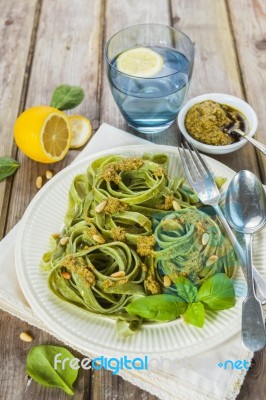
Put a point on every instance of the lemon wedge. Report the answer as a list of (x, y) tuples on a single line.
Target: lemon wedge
[(140, 61), (81, 130), (43, 133)]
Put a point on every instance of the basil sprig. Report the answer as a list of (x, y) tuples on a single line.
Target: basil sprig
[(66, 97), (216, 293), (40, 367), (8, 167)]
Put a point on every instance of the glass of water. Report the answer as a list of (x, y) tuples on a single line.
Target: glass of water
[(149, 68)]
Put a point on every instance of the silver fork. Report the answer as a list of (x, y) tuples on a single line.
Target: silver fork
[(203, 183)]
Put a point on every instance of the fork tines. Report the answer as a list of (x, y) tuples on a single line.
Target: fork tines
[(193, 164)]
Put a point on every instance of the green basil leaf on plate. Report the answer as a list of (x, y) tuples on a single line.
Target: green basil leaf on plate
[(40, 367), (66, 97), (8, 167), (195, 314), (127, 325), (160, 307), (217, 293), (186, 289)]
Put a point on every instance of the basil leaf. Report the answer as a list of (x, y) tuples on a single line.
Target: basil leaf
[(195, 314), (8, 166), (217, 292), (40, 367), (220, 181), (127, 325), (66, 97), (186, 289), (159, 307)]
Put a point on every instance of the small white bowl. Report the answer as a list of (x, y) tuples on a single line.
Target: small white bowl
[(229, 100)]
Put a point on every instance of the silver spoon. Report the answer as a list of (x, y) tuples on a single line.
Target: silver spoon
[(245, 208), (256, 143)]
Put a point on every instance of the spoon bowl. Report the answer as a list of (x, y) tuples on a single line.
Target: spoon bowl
[(245, 204)]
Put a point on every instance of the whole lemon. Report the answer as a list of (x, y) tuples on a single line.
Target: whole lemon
[(43, 133)]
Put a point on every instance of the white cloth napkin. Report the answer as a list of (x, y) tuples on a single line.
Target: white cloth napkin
[(191, 378)]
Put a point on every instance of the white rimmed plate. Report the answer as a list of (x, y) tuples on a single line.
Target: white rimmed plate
[(94, 333)]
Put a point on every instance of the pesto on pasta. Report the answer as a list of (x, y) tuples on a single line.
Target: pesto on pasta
[(127, 225)]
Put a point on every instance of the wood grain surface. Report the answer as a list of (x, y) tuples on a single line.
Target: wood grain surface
[(250, 37), (17, 24), (48, 42)]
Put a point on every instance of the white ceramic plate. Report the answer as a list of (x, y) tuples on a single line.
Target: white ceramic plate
[(94, 333)]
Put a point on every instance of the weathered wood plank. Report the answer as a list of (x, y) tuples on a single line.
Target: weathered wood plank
[(16, 25), (67, 51), (206, 23), (249, 27), (216, 67)]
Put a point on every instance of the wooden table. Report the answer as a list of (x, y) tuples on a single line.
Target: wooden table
[(48, 42)]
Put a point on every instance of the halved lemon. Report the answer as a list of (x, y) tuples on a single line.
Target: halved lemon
[(140, 61), (81, 130), (43, 133)]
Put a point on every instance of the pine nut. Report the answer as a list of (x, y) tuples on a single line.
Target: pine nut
[(170, 225), (167, 281), (176, 206), (211, 260), (205, 238), (66, 275), (64, 240), (26, 337), (48, 174), (169, 217), (98, 239), (39, 182), (100, 207), (118, 274)]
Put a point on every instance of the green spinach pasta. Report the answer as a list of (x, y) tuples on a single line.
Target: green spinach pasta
[(127, 226)]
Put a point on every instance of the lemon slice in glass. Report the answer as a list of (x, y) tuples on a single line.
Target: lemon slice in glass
[(140, 61)]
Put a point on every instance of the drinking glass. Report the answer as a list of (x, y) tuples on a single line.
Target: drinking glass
[(151, 104)]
